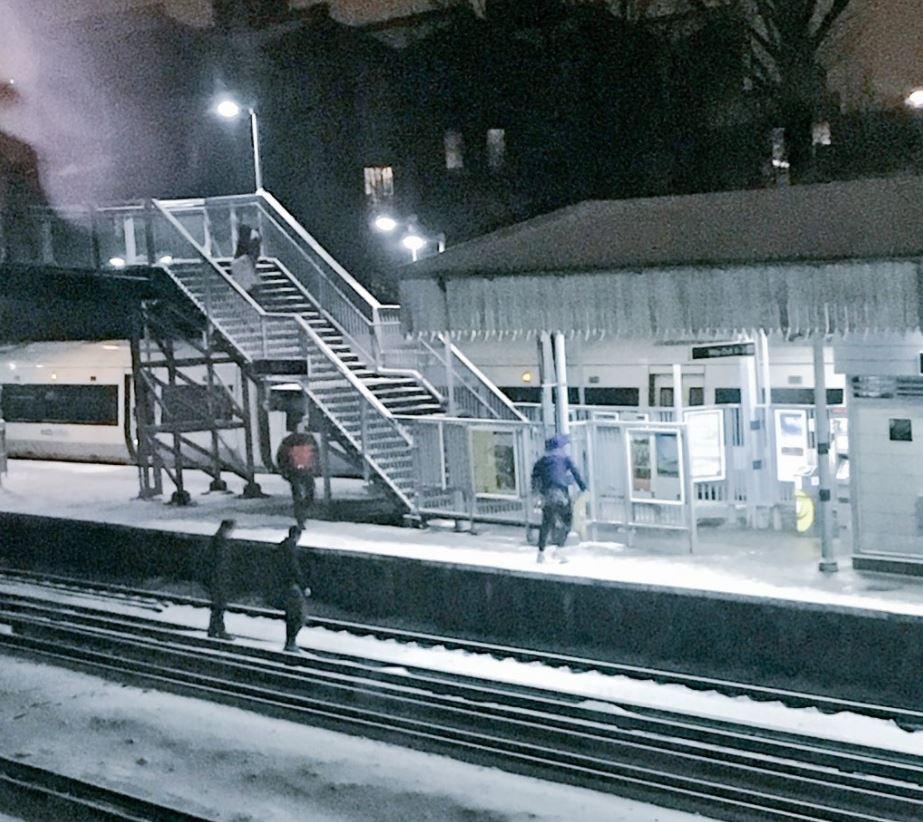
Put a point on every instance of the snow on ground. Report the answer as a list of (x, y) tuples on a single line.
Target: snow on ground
[(228, 764), (761, 564), (596, 688)]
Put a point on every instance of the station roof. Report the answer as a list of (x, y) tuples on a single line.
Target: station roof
[(832, 257)]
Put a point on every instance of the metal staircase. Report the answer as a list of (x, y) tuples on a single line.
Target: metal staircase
[(308, 322), (279, 292)]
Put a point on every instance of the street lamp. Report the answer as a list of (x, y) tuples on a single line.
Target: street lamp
[(414, 242), (915, 99), (230, 110), (385, 223)]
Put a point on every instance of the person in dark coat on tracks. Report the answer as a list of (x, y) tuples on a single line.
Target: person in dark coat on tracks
[(291, 587), (297, 461), (551, 477), (218, 578)]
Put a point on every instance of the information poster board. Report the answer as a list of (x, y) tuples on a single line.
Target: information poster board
[(705, 436), (791, 426), (494, 462), (655, 466)]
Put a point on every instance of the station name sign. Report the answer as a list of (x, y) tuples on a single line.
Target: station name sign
[(713, 352)]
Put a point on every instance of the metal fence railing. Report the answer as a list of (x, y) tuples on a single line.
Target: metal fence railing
[(480, 471)]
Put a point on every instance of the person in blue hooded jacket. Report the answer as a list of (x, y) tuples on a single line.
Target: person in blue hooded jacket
[(551, 478)]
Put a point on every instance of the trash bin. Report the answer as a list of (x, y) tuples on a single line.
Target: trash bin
[(807, 496)]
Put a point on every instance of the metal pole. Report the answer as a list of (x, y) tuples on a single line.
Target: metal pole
[(689, 488), (546, 374), (560, 364), (325, 465), (750, 423), (677, 392), (828, 561), (449, 376), (257, 164)]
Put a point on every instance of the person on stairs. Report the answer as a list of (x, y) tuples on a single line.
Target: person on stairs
[(246, 257)]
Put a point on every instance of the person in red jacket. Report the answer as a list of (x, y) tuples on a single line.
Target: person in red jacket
[(297, 462)]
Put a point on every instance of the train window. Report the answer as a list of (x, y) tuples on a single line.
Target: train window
[(804, 396), (727, 396), (190, 403), (63, 404), (613, 396)]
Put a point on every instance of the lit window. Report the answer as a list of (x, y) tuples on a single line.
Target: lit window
[(454, 150), (779, 165), (821, 134), (379, 183), (496, 148)]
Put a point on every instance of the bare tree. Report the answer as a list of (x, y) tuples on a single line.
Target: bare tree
[(788, 41)]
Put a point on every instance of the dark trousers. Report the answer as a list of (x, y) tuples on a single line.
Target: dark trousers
[(302, 495), (295, 612), (216, 621), (557, 515)]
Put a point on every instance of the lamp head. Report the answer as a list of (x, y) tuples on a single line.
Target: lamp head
[(228, 109)]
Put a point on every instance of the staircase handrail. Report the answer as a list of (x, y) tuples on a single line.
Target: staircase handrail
[(357, 287), (354, 381), (479, 376), (247, 298)]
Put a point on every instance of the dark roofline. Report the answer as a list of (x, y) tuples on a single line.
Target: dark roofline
[(697, 265), (639, 209)]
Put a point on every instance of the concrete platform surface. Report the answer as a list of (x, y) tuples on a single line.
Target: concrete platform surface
[(771, 565)]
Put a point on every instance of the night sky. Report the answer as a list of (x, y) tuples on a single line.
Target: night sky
[(882, 65)]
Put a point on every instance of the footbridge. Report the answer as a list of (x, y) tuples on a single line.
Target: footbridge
[(156, 272)]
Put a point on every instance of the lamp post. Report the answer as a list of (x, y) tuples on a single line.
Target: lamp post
[(415, 243), (413, 240), (914, 102), (914, 99), (230, 110)]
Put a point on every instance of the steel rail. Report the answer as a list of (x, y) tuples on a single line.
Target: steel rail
[(471, 688), (908, 718), (59, 794), (575, 742)]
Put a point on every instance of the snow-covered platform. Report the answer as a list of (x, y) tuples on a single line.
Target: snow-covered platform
[(747, 605), (766, 564)]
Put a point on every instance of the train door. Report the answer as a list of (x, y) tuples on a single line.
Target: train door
[(661, 389)]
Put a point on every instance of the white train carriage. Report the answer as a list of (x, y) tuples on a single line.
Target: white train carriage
[(70, 401), (75, 401)]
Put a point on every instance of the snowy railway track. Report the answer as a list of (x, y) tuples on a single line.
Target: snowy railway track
[(723, 769), (37, 793), (903, 716)]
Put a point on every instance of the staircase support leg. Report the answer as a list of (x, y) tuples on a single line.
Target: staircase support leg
[(180, 496), (148, 486), (217, 484), (325, 465), (363, 440), (252, 488)]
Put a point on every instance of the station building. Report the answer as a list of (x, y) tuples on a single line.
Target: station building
[(824, 281)]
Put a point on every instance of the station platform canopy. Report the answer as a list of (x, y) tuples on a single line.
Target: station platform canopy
[(832, 258)]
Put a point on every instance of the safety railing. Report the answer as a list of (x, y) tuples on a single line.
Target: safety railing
[(347, 402), (216, 223), (358, 414), (227, 306), (115, 237), (480, 471)]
